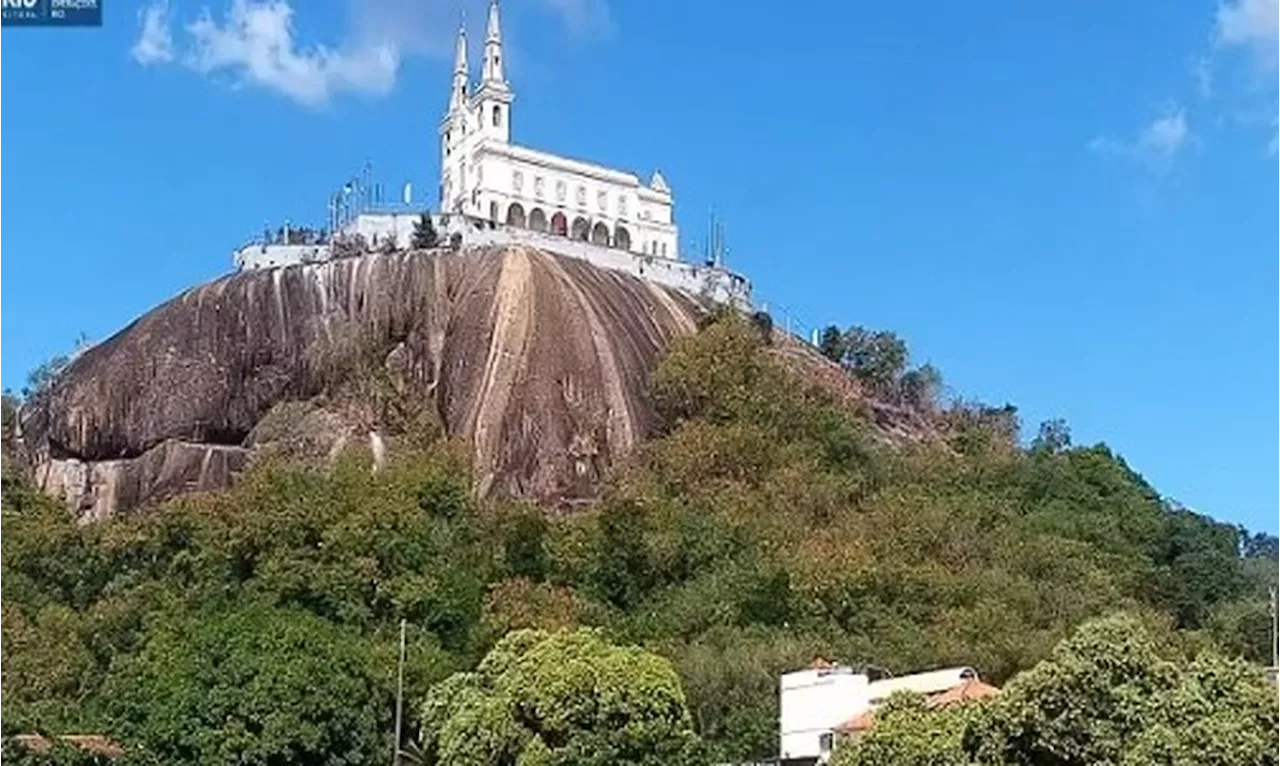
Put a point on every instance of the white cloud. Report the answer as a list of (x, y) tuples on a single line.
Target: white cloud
[(1156, 145), (255, 43), (1203, 73), (1253, 24), (583, 17), (1165, 135), (155, 44)]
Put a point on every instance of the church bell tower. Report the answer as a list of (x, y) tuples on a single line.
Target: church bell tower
[(494, 97)]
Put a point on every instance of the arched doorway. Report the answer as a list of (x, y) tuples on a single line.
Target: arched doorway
[(537, 219), (581, 228), (621, 238), (559, 225), (515, 215), (599, 234)]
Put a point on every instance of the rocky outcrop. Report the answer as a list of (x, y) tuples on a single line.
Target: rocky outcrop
[(540, 363)]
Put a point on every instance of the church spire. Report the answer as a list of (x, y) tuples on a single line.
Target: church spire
[(458, 96), (493, 47)]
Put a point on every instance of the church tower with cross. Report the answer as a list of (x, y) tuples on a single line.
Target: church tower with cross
[(484, 175)]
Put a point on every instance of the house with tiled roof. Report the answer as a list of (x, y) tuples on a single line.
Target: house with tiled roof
[(827, 701)]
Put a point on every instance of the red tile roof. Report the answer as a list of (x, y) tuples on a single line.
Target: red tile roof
[(968, 691), (971, 689)]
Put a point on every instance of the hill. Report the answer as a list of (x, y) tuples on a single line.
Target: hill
[(764, 523), (540, 362)]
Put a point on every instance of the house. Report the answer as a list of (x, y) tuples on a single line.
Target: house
[(826, 701)]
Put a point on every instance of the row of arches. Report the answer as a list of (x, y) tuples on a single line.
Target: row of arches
[(558, 224)]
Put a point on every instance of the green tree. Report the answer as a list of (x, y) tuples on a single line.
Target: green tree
[(560, 698), (831, 343), (424, 233), (907, 733), (47, 371), (253, 685), (1108, 696)]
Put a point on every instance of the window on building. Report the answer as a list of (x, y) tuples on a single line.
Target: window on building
[(497, 116), (824, 742)]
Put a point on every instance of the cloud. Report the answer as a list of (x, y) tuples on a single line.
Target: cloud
[(1252, 24), (155, 44), (1156, 145), (255, 44), (583, 17)]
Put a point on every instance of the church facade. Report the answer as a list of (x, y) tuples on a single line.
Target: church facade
[(484, 175)]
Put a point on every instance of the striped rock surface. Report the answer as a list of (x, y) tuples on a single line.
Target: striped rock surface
[(539, 363)]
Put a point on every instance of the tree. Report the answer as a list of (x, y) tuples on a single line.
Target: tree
[(877, 358), (253, 685), (907, 733), (831, 344), (919, 387), (560, 698), (1108, 696), (424, 233), (47, 371), (1054, 436)]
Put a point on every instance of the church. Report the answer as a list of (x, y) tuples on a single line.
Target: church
[(496, 194), (484, 175)]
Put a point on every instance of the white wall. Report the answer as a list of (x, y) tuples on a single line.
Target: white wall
[(258, 256), (499, 175), (814, 703), (720, 285)]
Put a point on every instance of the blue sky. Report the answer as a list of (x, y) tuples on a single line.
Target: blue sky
[(1067, 206)]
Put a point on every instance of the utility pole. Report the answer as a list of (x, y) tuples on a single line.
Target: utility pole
[(395, 760), (1275, 630)]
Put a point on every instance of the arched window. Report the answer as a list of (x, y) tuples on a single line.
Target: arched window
[(497, 116), (559, 225), (515, 215), (621, 238), (581, 229), (664, 249), (537, 219), (493, 212), (599, 234)]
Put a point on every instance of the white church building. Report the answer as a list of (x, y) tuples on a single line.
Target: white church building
[(494, 192), (485, 175)]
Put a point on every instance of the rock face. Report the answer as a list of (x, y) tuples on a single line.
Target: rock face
[(540, 363)]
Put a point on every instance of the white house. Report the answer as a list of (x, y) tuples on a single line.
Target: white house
[(816, 703), (484, 175)]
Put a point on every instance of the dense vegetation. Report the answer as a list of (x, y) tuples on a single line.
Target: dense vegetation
[(1106, 695), (764, 527)]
